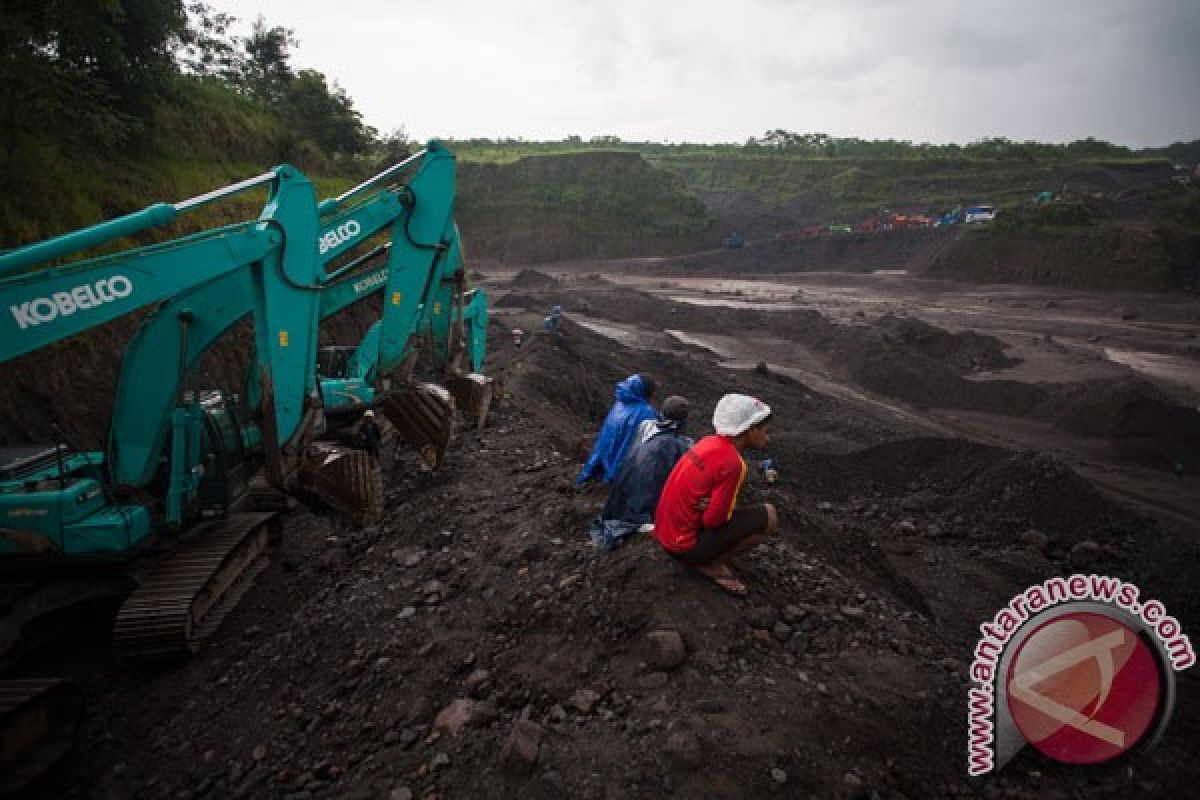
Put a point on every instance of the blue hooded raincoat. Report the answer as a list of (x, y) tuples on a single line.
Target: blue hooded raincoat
[(619, 430)]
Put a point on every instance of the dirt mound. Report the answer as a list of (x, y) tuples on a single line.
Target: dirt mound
[(533, 279), (1143, 424), (923, 365), (963, 352), (970, 491), (778, 253)]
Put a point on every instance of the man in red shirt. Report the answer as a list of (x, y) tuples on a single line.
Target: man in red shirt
[(697, 519)]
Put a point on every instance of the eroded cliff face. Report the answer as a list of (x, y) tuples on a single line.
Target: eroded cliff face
[(584, 205), (1103, 257)]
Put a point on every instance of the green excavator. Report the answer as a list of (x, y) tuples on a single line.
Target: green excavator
[(195, 478)]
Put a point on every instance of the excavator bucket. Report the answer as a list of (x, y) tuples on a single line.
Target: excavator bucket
[(345, 479), (424, 415), (38, 722), (473, 394)]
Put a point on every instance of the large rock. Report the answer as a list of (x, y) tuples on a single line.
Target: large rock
[(665, 649), (584, 700), (454, 717), (520, 752)]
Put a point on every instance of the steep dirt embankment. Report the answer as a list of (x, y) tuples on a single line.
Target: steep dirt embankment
[(760, 196), (855, 252), (585, 205), (811, 190), (1100, 257)]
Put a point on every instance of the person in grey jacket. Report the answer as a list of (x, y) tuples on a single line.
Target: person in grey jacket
[(639, 481)]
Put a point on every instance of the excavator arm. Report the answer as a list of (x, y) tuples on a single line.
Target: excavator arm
[(423, 300), (171, 341), (272, 261)]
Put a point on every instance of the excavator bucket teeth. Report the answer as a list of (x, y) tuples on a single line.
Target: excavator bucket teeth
[(346, 480), (473, 394), (424, 415)]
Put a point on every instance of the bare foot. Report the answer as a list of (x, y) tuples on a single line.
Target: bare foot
[(722, 576)]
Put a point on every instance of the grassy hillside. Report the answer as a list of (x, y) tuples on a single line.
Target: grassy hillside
[(1105, 256), (203, 136), (582, 203), (856, 187), (576, 205)]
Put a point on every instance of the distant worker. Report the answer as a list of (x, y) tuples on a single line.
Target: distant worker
[(518, 336), (630, 409), (697, 519), (639, 482), (550, 323), (365, 432)]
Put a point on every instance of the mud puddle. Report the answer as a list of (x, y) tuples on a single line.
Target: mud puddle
[(728, 302), (628, 335)]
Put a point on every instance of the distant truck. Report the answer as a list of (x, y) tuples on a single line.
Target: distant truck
[(979, 214), (734, 241)]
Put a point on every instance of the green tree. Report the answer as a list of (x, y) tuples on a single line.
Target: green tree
[(207, 46), (394, 147), (266, 67), (324, 115), (80, 72), (1096, 148)]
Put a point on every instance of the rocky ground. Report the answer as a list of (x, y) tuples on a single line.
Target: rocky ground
[(475, 644)]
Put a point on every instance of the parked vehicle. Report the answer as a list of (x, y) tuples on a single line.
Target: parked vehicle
[(980, 214)]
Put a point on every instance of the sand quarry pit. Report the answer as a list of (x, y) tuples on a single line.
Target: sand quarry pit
[(940, 447)]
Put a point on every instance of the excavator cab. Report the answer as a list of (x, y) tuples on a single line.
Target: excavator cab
[(334, 361)]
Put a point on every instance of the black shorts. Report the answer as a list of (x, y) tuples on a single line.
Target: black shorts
[(712, 542)]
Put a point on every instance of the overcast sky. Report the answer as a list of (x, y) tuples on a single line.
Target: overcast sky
[(696, 70)]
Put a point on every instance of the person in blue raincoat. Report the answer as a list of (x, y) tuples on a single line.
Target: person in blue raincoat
[(619, 431), (550, 323), (639, 482)]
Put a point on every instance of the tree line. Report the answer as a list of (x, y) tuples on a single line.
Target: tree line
[(993, 148), (87, 74)]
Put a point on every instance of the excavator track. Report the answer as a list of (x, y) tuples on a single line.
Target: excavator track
[(424, 415), (38, 721), (184, 599)]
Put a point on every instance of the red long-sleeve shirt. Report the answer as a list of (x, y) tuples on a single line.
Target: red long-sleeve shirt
[(713, 469)]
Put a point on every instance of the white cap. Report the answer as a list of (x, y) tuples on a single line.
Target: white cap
[(738, 413)]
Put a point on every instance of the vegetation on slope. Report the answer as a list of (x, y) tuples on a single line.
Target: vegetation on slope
[(108, 106), (597, 204)]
